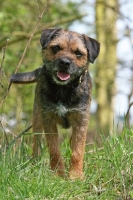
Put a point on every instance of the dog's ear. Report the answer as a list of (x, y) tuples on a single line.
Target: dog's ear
[(93, 47), (47, 35)]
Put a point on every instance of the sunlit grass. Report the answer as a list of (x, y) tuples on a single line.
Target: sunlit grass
[(108, 172)]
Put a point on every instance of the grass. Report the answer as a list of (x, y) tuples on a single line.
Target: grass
[(108, 173)]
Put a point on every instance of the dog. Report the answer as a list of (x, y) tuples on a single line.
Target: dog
[(62, 94)]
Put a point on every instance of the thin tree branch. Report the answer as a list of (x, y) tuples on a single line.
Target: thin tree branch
[(22, 36), (2, 62), (16, 138), (23, 55), (4, 133), (21, 134), (31, 36), (127, 114)]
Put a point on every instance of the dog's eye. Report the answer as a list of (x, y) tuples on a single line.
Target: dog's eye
[(78, 53), (55, 49)]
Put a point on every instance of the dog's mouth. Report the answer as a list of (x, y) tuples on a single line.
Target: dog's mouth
[(63, 76)]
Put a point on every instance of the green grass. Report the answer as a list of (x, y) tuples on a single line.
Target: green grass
[(108, 173)]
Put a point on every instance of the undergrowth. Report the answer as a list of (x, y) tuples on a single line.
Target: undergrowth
[(108, 172)]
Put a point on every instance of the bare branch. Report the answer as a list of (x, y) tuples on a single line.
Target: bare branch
[(127, 114), (31, 36), (16, 138), (2, 62), (23, 55), (23, 35), (4, 133)]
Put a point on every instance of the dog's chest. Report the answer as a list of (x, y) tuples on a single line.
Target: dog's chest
[(61, 110), (58, 103), (57, 106), (61, 97)]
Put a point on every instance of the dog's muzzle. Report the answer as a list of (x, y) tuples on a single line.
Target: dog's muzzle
[(63, 69)]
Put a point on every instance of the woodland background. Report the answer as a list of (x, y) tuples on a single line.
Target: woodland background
[(110, 22)]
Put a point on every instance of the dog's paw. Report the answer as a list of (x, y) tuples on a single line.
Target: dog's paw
[(73, 175)]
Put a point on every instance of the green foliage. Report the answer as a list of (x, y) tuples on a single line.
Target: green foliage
[(108, 172), (17, 21)]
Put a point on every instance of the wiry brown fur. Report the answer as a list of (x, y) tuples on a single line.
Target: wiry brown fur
[(69, 45), (64, 102)]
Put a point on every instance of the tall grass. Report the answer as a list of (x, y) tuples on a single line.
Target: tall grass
[(108, 172)]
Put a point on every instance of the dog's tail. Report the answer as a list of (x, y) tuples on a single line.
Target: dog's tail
[(25, 78)]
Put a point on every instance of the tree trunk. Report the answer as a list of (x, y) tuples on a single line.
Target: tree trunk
[(106, 16)]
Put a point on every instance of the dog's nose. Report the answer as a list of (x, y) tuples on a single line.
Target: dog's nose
[(64, 62)]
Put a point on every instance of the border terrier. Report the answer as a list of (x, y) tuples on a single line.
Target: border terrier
[(63, 94)]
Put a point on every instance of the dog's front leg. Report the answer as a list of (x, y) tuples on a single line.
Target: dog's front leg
[(56, 161), (78, 140)]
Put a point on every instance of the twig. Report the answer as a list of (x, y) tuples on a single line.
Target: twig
[(54, 23), (24, 133), (2, 62), (31, 36), (23, 55), (4, 133), (16, 138), (127, 114), (38, 6), (131, 91)]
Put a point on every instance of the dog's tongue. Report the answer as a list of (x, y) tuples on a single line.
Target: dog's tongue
[(63, 76)]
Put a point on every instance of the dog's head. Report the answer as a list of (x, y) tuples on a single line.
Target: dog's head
[(67, 54)]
